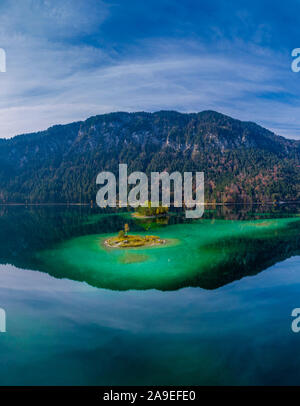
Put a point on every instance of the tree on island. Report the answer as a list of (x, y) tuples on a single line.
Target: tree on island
[(121, 234), (147, 210)]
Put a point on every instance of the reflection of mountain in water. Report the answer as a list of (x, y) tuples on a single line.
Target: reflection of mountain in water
[(24, 232)]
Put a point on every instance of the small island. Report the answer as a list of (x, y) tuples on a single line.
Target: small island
[(150, 210), (123, 240)]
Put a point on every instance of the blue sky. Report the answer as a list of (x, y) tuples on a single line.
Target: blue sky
[(68, 60)]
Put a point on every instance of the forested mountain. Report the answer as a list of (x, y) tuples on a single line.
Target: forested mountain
[(241, 160)]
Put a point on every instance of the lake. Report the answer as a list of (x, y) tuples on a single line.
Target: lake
[(214, 308)]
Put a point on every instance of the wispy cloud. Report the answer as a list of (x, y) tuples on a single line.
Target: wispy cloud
[(62, 67)]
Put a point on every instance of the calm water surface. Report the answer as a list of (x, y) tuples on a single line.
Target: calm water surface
[(214, 309)]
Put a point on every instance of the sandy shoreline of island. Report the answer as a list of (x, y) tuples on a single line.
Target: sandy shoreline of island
[(163, 242)]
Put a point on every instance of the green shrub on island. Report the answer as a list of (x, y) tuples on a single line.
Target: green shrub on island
[(121, 234), (147, 210), (133, 241), (123, 240)]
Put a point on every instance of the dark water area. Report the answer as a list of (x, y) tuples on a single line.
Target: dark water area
[(212, 309)]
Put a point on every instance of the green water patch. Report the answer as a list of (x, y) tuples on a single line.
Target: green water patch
[(208, 253)]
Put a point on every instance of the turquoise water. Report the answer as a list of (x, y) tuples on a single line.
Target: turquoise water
[(198, 253), (212, 310)]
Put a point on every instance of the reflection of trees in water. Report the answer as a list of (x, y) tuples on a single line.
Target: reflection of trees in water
[(249, 256), (253, 211), (26, 230)]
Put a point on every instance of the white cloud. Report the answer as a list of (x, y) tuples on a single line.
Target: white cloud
[(50, 80), (51, 19)]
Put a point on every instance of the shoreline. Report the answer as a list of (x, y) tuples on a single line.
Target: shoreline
[(95, 205), (138, 216)]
